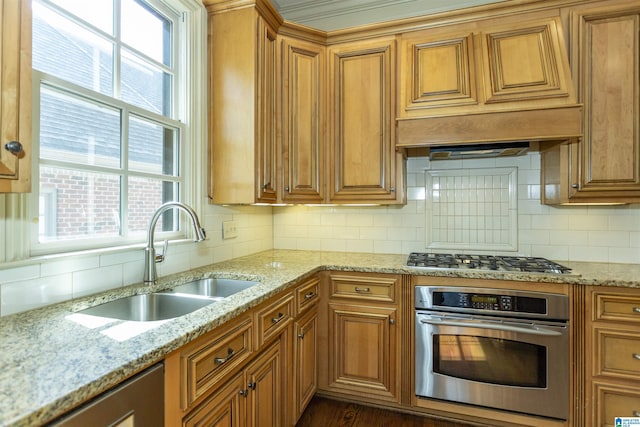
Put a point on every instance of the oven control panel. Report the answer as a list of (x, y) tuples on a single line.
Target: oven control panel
[(489, 302)]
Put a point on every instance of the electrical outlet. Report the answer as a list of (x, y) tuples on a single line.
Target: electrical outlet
[(229, 229)]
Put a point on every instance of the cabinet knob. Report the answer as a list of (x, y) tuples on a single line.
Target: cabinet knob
[(575, 186), (636, 413), (14, 147), (244, 393), (636, 309), (267, 185), (286, 189), (301, 335), (392, 321), (252, 385), (636, 356)]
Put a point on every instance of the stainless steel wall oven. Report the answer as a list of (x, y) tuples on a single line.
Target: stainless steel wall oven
[(497, 348)]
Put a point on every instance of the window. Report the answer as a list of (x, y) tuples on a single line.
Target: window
[(111, 84)]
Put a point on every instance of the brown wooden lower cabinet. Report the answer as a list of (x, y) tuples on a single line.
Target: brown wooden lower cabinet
[(612, 355)]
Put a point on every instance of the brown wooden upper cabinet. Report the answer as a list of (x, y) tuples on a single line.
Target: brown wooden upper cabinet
[(242, 105), (15, 101), (303, 125), (605, 166), (363, 164)]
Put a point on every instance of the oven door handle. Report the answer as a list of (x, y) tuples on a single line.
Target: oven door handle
[(534, 330)]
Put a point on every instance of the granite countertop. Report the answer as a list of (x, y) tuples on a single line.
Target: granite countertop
[(53, 359)]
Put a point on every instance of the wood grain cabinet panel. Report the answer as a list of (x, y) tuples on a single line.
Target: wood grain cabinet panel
[(15, 96), (604, 166), (612, 355), (303, 124), (305, 354), (363, 164), (242, 107), (437, 71), (525, 62)]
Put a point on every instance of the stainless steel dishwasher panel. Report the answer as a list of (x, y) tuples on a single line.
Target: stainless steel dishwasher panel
[(138, 402)]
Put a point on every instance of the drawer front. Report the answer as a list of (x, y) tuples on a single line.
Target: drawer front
[(619, 353), (307, 295), (272, 319), (625, 308), (376, 288), (204, 366), (613, 401)]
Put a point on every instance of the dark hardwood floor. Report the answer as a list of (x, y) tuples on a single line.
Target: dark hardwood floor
[(323, 412)]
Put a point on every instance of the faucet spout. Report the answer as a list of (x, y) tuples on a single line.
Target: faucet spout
[(150, 258)]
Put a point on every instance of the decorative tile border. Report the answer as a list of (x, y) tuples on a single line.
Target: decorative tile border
[(472, 209)]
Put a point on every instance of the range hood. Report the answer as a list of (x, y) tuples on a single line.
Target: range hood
[(478, 151), (499, 131)]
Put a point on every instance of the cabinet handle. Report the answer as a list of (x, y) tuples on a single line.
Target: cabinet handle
[(636, 356), (301, 335), (286, 189), (575, 186), (221, 360), (310, 295), (392, 321), (275, 320), (636, 413), (243, 393), (252, 385), (267, 185), (14, 147), (636, 309), (363, 290)]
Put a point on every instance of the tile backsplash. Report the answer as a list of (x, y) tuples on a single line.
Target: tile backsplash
[(575, 233), (35, 283), (594, 233)]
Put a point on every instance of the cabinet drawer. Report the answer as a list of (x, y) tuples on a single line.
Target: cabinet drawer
[(378, 288), (619, 353), (274, 318), (205, 365), (624, 308), (307, 295), (613, 401)]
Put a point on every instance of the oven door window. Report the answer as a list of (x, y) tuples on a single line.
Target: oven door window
[(490, 360)]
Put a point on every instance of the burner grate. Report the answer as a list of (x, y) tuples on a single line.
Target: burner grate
[(485, 262)]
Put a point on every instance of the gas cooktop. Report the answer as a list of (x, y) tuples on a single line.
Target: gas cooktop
[(485, 262)]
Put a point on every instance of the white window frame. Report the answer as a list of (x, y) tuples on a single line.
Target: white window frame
[(190, 38)]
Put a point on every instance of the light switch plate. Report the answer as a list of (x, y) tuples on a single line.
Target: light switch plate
[(229, 230)]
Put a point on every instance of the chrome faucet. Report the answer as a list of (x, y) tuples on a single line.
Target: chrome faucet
[(150, 257)]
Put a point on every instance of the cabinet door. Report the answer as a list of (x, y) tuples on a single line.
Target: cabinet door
[(362, 157), (15, 96), (303, 94), (526, 62), (305, 361), (265, 389), (363, 351), (266, 179), (605, 45), (437, 71), (225, 408)]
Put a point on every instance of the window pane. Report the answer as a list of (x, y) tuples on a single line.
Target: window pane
[(68, 51), (96, 12), (81, 204), (75, 130), (146, 30), (145, 196), (145, 85), (153, 148)]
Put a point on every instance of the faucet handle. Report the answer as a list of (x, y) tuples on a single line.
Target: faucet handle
[(165, 246)]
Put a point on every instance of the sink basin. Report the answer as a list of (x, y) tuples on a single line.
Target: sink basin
[(149, 307), (214, 287)]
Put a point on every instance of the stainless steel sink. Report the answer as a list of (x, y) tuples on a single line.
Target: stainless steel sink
[(149, 307), (214, 287)]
